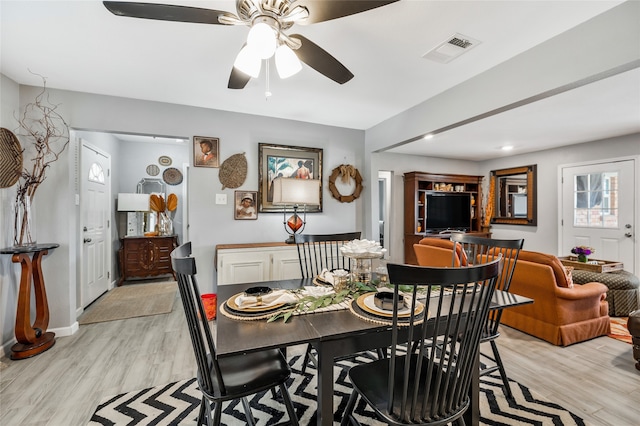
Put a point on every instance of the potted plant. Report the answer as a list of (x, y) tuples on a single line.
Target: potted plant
[(45, 135)]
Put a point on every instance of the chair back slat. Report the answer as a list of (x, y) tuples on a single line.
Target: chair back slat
[(481, 250), (209, 377), (429, 377), (317, 252)]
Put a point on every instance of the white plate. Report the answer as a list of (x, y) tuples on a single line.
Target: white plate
[(369, 303)]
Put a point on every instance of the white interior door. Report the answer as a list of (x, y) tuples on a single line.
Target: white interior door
[(95, 207), (598, 203)]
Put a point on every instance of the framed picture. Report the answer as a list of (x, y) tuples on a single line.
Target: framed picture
[(245, 205), (206, 152), (286, 161)]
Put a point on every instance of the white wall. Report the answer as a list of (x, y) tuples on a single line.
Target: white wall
[(544, 237), (589, 51)]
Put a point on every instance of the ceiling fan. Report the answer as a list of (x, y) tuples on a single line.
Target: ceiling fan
[(269, 20)]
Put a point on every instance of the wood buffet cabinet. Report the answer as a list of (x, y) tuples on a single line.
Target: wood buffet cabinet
[(417, 185), (144, 257)]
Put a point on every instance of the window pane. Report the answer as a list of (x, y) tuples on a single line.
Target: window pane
[(596, 200)]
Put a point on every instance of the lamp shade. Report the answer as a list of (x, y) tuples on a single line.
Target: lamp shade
[(287, 62), (128, 202), (262, 39), (248, 62), (296, 191)]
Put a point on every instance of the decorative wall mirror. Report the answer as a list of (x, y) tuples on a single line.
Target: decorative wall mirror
[(151, 186), (515, 200)]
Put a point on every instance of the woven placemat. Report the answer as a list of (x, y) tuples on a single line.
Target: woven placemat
[(10, 158), (360, 313), (233, 171)]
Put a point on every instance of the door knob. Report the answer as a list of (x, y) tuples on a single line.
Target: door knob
[(87, 240), (628, 226), (628, 235)]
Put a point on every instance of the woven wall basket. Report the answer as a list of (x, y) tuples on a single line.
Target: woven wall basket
[(233, 171), (10, 158)]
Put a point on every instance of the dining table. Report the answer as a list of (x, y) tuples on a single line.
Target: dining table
[(333, 334)]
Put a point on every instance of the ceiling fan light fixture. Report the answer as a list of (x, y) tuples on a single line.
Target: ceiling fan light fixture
[(298, 14), (287, 62), (262, 39), (248, 62)]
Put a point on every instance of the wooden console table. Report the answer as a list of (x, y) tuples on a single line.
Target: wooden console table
[(32, 339), (144, 257)]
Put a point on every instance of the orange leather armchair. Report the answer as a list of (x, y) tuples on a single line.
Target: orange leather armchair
[(438, 252)]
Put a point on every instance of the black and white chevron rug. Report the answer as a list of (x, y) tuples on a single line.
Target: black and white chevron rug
[(178, 403)]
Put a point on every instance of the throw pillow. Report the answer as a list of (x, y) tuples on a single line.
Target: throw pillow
[(568, 273)]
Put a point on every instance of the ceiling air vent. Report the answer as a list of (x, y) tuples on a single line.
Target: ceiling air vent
[(451, 48)]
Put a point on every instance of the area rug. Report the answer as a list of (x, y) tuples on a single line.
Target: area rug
[(619, 330), (178, 403), (132, 300)]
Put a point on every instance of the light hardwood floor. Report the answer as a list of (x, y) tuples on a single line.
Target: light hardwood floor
[(61, 387)]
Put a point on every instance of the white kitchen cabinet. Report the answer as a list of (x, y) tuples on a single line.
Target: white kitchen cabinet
[(243, 263)]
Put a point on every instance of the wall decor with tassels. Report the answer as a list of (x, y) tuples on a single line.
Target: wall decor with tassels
[(345, 172)]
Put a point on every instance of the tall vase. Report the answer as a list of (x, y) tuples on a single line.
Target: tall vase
[(24, 222)]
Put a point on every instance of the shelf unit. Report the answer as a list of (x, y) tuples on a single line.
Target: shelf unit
[(416, 187)]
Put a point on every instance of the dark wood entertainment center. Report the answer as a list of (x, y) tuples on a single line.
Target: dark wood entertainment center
[(416, 187)]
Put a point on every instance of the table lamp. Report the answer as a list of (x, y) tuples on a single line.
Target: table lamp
[(134, 205), (295, 192)]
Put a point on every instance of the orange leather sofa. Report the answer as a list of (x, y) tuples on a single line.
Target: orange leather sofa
[(561, 314)]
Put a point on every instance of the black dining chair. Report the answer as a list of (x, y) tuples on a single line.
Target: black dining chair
[(426, 385), (317, 252), (479, 250), (227, 378)]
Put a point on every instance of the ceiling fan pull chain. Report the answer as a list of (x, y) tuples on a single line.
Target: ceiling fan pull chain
[(267, 92)]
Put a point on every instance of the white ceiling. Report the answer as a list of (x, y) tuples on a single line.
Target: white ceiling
[(80, 46)]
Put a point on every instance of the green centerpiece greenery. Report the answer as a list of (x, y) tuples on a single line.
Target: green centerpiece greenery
[(311, 303)]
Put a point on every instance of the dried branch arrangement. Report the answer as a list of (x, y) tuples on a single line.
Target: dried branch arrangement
[(488, 206), (48, 136)]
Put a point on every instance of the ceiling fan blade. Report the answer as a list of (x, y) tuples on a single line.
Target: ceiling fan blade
[(238, 79), (321, 61), (167, 12), (322, 10)]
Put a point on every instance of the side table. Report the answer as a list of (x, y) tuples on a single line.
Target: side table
[(32, 339)]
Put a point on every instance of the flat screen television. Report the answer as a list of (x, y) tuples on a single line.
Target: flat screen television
[(448, 211)]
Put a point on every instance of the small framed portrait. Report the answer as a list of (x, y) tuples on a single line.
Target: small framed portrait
[(245, 205), (206, 152)]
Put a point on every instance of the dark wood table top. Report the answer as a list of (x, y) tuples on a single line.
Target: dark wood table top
[(236, 336)]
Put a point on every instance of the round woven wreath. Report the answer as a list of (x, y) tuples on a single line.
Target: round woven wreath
[(346, 172)]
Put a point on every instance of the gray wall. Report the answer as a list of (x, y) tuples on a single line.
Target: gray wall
[(210, 224)]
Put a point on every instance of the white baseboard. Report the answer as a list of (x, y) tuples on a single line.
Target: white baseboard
[(5, 349)]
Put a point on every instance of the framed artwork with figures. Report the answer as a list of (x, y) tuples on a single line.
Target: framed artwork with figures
[(206, 152), (289, 162)]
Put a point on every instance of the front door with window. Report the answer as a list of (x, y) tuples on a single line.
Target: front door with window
[(95, 208), (598, 205)]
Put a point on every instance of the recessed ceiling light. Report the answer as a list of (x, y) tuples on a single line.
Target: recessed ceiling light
[(429, 136), (507, 148)]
